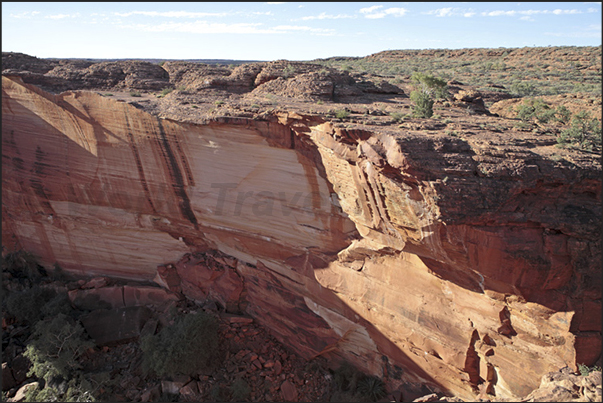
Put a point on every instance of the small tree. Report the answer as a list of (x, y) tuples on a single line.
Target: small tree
[(535, 109), (523, 89), (427, 88), (423, 104), (28, 305), (584, 132), (430, 85), (56, 346), (562, 114)]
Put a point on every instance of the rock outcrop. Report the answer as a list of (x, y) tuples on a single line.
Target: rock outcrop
[(424, 259)]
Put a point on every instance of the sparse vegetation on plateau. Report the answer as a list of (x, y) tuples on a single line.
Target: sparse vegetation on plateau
[(164, 92), (427, 88), (342, 114), (520, 71), (423, 107)]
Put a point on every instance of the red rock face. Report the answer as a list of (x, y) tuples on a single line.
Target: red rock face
[(389, 250)]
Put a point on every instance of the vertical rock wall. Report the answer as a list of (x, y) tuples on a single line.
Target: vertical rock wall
[(387, 250)]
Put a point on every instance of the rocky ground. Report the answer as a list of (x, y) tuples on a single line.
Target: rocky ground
[(269, 370), (247, 351)]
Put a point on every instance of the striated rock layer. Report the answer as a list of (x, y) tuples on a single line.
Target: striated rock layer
[(394, 251)]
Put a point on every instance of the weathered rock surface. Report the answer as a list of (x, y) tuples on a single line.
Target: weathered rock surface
[(565, 386), (432, 260)]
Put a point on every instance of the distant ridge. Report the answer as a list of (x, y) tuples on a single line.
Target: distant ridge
[(205, 61)]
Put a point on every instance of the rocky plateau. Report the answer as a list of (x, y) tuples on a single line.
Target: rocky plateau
[(459, 255)]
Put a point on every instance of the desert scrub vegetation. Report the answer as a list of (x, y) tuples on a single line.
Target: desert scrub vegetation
[(423, 104), (544, 71), (352, 385), (537, 109), (585, 370), (23, 265), (427, 89), (341, 114), (32, 304), (54, 339), (288, 71), (164, 92), (398, 116), (584, 133), (57, 344), (183, 348)]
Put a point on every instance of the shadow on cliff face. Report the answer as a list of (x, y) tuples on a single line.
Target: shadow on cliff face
[(47, 168)]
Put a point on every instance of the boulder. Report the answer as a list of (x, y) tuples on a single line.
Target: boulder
[(289, 391), (116, 326), (8, 381), (190, 391), (151, 394), (20, 367), (173, 386), (22, 391)]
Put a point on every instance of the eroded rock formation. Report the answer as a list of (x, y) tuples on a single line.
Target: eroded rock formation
[(422, 259)]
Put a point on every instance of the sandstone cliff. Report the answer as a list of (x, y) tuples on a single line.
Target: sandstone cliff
[(458, 263)]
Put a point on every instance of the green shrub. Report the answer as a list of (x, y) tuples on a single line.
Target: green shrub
[(523, 89), (135, 94), (584, 133), (55, 348), (59, 304), (535, 109), (585, 370), (288, 71), (352, 385), (23, 265), (78, 390), (430, 85), (562, 114), (165, 91), (342, 114), (398, 116), (423, 104), (27, 305), (427, 88), (182, 348), (371, 387)]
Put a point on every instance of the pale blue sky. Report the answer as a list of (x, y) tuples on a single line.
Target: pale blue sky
[(293, 31)]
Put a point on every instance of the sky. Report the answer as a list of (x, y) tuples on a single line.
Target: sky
[(283, 30)]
